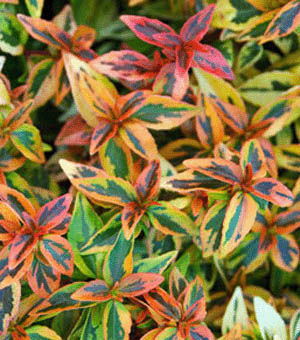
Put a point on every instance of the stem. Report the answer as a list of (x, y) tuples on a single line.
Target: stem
[(221, 272)]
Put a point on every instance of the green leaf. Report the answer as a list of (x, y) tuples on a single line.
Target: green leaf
[(116, 321), (118, 262), (35, 7), (13, 36), (90, 330), (42, 333), (249, 54), (170, 220), (156, 264), (28, 141)]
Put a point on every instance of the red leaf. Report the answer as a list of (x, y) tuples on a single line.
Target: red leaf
[(212, 61), (197, 26), (147, 184), (149, 30), (131, 215), (272, 191), (103, 132), (96, 290), (21, 247), (54, 212)]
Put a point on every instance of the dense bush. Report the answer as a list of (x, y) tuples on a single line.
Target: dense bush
[(149, 161)]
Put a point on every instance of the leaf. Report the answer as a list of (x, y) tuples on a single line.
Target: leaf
[(74, 132), (96, 290), (269, 321), (61, 300), (126, 64), (35, 7), (139, 139), (236, 312), (194, 301), (192, 180), (295, 325), (41, 333), (211, 228), (131, 215), (156, 264), (21, 247), (167, 333), (265, 87), (168, 82), (239, 219), (18, 115), (10, 298), (16, 200), (170, 220), (285, 254), (164, 113), (252, 154), (287, 221), (41, 83), (285, 22), (211, 60), (91, 330), (58, 252), (220, 169), (163, 304), (247, 254), (116, 158), (84, 223), (232, 115), (272, 191), (257, 28), (100, 98), (42, 278), (213, 86), (54, 212), (147, 184), (209, 127), (150, 30), (138, 284), (104, 238), (103, 132), (73, 67), (201, 332), (249, 54), (100, 188), (9, 276), (46, 32), (116, 321), (28, 141), (197, 26), (235, 15), (12, 34), (118, 261)]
